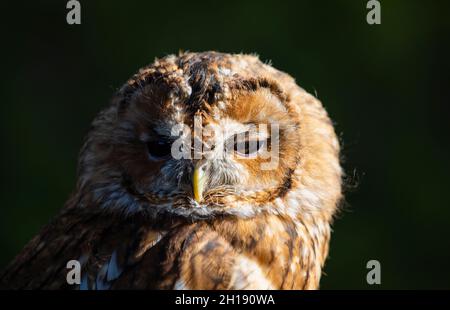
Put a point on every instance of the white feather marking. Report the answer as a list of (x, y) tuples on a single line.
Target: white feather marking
[(248, 275), (114, 270), (180, 285)]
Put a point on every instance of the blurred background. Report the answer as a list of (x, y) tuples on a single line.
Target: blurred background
[(385, 86)]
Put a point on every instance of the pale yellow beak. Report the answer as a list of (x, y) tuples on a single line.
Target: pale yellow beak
[(198, 183)]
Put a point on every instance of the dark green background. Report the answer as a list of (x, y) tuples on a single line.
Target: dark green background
[(386, 88)]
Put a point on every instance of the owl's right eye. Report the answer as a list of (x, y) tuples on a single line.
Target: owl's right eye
[(159, 150)]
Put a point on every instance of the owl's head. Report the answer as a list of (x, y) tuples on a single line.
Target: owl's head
[(202, 134)]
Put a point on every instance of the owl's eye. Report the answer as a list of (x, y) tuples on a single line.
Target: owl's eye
[(248, 147), (159, 150)]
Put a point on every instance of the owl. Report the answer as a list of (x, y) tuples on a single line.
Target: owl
[(206, 171)]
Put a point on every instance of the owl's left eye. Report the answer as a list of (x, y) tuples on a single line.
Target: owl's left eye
[(159, 150), (248, 147)]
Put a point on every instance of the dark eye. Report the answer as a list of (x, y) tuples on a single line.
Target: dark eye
[(248, 147), (159, 150)]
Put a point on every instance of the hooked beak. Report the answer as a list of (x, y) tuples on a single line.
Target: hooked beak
[(198, 182)]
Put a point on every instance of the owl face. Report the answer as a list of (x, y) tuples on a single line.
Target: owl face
[(213, 152), (195, 135)]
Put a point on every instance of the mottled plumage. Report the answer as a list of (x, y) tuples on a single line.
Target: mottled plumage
[(137, 221)]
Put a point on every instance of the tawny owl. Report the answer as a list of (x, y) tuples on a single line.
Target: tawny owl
[(159, 206)]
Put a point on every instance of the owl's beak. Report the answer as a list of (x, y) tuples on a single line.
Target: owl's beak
[(198, 182)]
